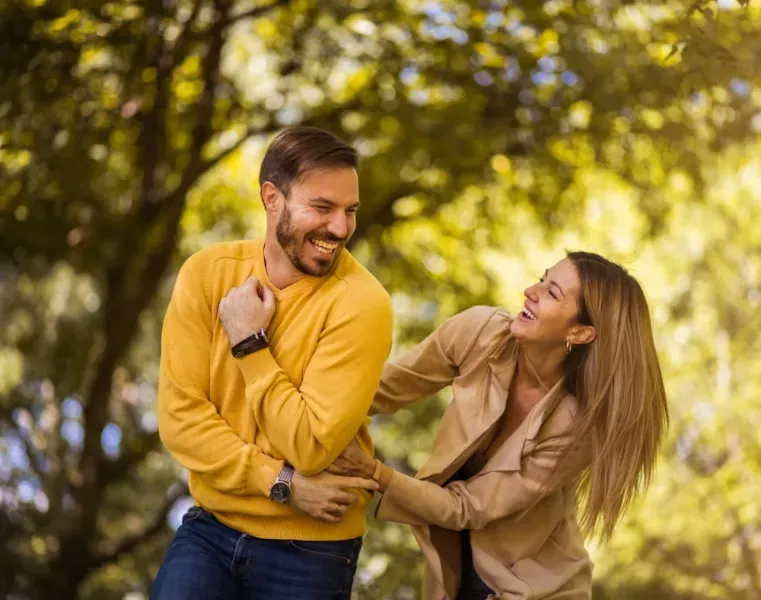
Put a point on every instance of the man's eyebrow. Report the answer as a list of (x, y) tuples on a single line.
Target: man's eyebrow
[(323, 200)]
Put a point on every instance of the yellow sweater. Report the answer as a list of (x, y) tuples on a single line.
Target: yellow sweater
[(232, 422)]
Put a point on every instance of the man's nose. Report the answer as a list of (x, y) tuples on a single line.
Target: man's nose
[(339, 225)]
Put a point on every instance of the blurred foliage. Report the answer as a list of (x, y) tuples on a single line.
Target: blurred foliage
[(493, 135)]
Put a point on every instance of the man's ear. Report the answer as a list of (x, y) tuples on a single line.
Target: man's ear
[(582, 334), (270, 196)]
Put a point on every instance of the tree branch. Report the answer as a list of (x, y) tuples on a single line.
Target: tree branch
[(189, 177), (34, 457), (130, 542), (124, 305), (9, 403), (383, 215), (153, 129), (255, 12), (173, 206), (247, 135), (113, 470), (180, 46), (12, 403), (210, 74)]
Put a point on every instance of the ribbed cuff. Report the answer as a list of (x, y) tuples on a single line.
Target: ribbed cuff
[(256, 365), (264, 473), (261, 517)]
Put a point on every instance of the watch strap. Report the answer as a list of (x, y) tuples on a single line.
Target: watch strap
[(280, 491), (286, 474), (253, 343)]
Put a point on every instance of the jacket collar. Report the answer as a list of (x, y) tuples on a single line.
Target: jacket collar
[(538, 414), (492, 400)]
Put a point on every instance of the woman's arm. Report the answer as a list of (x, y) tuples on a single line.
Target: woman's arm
[(431, 365), (470, 504), (474, 503)]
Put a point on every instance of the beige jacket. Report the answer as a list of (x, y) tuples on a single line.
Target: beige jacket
[(526, 542)]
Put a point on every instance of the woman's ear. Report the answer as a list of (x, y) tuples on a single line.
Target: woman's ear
[(582, 334)]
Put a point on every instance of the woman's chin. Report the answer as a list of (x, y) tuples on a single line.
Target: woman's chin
[(518, 331), (525, 333)]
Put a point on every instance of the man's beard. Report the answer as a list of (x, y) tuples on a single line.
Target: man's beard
[(289, 242)]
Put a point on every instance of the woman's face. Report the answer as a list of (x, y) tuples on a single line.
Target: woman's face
[(551, 307)]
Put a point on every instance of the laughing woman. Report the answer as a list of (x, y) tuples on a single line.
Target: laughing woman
[(559, 408)]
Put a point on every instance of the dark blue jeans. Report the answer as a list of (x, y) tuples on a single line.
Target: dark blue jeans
[(208, 560), (472, 586)]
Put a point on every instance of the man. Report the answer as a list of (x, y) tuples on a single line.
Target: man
[(271, 353)]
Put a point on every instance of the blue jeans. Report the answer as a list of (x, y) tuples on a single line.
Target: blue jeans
[(472, 586), (208, 560)]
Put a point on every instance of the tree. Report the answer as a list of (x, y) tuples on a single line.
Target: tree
[(698, 528), (119, 121)]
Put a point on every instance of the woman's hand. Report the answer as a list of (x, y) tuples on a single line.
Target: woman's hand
[(353, 462), (325, 496)]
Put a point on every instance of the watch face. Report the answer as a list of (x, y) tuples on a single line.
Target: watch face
[(280, 492)]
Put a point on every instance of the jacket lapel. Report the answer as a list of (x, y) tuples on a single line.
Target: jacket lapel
[(539, 413), (509, 456), (472, 423)]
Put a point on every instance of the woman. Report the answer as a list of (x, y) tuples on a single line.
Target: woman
[(561, 405)]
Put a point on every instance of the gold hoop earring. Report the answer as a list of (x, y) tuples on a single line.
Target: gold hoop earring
[(568, 346)]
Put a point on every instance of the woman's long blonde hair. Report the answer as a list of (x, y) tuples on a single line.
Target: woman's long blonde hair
[(617, 381)]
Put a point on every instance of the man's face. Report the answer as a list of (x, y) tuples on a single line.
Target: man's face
[(318, 218)]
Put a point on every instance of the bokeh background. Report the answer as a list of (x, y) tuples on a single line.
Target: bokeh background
[(494, 134)]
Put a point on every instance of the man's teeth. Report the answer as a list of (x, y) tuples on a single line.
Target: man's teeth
[(529, 314), (324, 247)]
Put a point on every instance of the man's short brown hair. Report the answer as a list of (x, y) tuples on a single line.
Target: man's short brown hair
[(296, 150)]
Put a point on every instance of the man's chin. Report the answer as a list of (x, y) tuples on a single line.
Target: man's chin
[(317, 267), (322, 270)]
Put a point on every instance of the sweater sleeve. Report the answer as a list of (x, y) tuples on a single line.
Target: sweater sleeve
[(433, 364), (311, 425), (189, 425)]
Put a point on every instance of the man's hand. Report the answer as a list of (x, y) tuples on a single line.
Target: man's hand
[(246, 310), (325, 496), (353, 461)]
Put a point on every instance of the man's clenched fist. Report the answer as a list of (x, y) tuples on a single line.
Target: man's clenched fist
[(246, 310)]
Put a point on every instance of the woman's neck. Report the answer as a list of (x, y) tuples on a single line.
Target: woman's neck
[(538, 367)]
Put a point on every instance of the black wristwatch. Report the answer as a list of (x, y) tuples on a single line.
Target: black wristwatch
[(280, 491), (251, 344)]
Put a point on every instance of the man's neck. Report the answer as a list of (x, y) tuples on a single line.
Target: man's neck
[(279, 267)]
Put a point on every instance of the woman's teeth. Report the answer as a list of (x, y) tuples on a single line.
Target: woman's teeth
[(528, 314), (324, 247)]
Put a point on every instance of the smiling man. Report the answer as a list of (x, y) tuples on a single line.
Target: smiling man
[(271, 353)]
